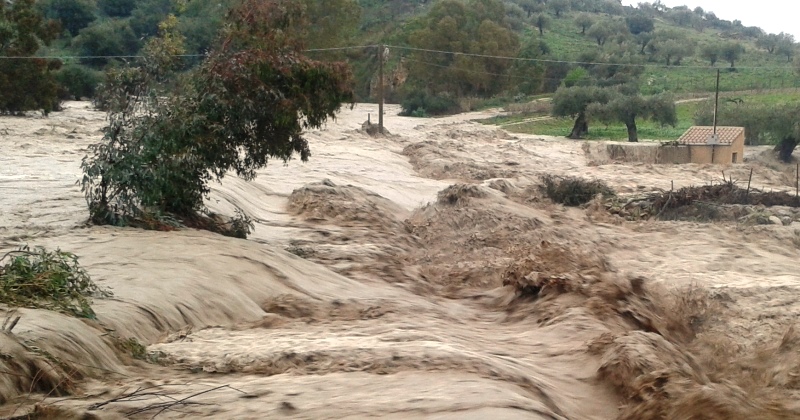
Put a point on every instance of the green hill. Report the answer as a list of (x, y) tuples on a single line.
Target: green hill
[(110, 28), (756, 68)]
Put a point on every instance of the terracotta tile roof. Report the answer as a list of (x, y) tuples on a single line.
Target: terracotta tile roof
[(700, 135)]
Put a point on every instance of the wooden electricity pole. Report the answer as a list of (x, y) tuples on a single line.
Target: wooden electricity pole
[(716, 104), (380, 88), (716, 111)]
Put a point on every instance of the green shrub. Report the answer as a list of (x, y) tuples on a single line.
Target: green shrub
[(420, 104), (51, 280), (573, 191), (78, 81)]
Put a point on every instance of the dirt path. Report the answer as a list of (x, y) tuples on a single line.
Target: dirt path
[(390, 300)]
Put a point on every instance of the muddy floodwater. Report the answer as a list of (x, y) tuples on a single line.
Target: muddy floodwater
[(421, 274)]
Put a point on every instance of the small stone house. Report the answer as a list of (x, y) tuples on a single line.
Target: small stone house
[(727, 147)]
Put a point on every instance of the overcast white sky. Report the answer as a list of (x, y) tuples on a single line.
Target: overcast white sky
[(773, 16)]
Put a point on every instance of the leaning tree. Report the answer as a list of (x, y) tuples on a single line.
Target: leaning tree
[(249, 101), (573, 102)]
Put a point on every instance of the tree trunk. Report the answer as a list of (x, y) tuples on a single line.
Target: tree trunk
[(785, 148), (541, 30), (633, 135), (580, 128)]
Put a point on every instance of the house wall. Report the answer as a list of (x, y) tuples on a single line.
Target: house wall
[(722, 154)]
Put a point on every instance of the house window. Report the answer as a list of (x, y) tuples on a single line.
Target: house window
[(735, 157)]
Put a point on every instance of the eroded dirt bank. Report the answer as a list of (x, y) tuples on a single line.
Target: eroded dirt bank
[(415, 275)]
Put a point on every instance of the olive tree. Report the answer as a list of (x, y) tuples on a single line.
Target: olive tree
[(573, 102), (711, 52), (559, 6), (604, 29), (640, 23), (731, 51), (787, 47), (627, 108), (584, 21), (249, 101), (541, 22)]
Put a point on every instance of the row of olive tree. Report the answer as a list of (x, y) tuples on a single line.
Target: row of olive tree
[(638, 32), (609, 105)]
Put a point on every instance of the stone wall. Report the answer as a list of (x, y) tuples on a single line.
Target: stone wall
[(603, 153)]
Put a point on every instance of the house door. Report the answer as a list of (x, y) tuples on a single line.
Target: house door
[(735, 157)]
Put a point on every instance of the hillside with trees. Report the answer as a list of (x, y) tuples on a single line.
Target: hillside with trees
[(544, 45)]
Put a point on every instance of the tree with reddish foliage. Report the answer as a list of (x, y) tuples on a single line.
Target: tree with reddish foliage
[(248, 102)]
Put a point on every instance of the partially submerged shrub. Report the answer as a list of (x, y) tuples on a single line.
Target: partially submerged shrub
[(573, 191), (50, 280), (78, 81), (132, 347), (249, 101), (459, 193), (419, 103)]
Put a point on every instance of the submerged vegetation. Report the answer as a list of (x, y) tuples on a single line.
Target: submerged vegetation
[(38, 278), (573, 191)]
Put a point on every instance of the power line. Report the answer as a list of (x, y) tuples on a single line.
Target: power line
[(588, 63), (466, 70), (70, 57), (455, 53), (355, 47), (80, 57)]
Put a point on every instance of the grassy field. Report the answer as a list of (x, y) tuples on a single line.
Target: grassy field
[(647, 130)]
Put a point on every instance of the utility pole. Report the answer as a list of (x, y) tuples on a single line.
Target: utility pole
[(714, 139), (716, 104), (380, 88)]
